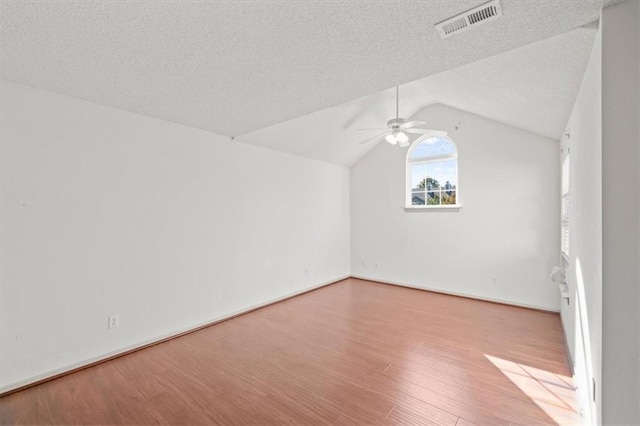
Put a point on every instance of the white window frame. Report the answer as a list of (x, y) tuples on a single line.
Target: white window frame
[(565, 208), (425, 160)]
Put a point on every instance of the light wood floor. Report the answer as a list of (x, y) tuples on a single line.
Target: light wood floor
[(355, 352)]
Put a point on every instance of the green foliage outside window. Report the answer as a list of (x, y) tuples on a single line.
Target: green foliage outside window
[(437, 194)]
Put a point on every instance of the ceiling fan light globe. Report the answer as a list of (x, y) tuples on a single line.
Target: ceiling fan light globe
[(402, 138), (391, 138)]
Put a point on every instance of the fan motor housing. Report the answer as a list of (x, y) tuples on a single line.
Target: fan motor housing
[(396, 122)]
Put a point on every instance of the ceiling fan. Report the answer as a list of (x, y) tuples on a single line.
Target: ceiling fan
[(397, 128)]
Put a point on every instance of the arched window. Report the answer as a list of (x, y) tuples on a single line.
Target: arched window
[(432, 173)]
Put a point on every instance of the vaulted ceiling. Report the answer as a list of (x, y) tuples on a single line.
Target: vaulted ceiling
[(532, 87), (235, 67)]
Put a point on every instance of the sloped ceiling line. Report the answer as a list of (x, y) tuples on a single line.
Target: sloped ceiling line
[(236, 67)]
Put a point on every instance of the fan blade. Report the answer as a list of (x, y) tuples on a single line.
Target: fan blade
[(372, 138), (374, 128), (410, 124), (427, 132)]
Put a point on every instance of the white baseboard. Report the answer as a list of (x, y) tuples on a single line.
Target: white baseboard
[(165, 336), (452, 293)]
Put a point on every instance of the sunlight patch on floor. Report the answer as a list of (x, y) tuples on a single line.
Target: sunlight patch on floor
[(553, 393)]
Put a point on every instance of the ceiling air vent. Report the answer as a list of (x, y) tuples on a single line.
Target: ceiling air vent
[(470, 19)]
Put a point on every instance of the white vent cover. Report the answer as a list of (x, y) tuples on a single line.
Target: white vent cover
[(470, 19)]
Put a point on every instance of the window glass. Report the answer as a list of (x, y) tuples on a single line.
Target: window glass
[(432, 168), (433, 147)]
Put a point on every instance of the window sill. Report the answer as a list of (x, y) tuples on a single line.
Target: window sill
[(451, 207)]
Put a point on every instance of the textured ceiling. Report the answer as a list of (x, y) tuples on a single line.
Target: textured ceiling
[(532, 87), (236, 66)]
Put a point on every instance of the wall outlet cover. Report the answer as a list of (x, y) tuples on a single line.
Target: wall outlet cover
[(114, 321)]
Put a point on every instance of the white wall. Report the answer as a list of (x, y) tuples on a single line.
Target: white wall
[(605, 215), (638, 20), (621, 215), (508, 226), (108, 212), (584, 273)]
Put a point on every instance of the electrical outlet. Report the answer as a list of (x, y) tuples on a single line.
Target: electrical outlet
[(114, 322)]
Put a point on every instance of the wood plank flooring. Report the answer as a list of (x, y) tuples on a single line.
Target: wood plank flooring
[(355, 352)]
